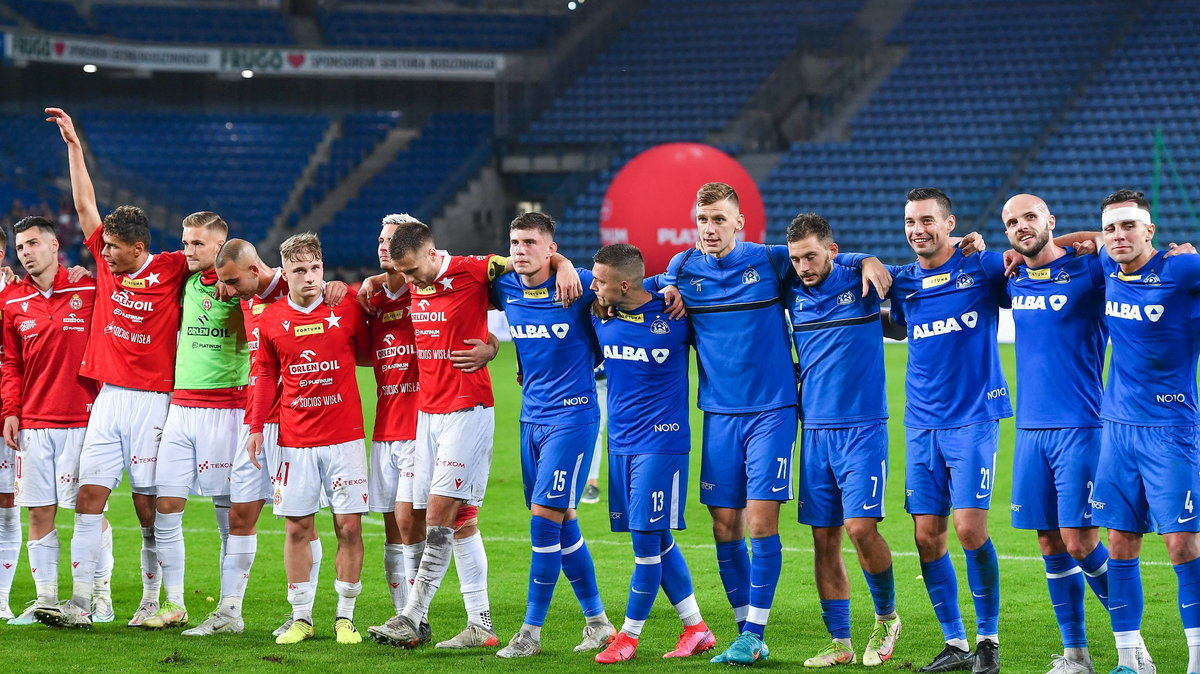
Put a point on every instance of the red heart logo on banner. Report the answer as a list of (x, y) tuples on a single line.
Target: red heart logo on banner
[(296, 60), (59, 47)]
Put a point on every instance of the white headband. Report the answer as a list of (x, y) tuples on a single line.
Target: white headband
[(1125, 213)]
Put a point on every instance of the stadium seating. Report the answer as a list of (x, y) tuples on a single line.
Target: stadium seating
[(59, 17), (32, 155), (404, 185), (1107, 141), (241, 166), (681, 70), (189, 24), (360, 134), (957, 113), (464, 31)]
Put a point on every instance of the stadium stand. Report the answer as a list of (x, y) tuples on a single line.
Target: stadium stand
[(360, 133), (241, 166), (663, 80), (190, 24), (405, 184), (1108, 140), (466, 30), (30, 160), (58, 17), (946, 116)]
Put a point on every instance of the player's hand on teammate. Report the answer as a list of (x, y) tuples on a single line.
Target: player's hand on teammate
[(1012, 260), (478, 356), (223, 292), (876, 275), (11, 426), (254, 448), (567, 286), (74, 274), (1089, 248), (65, 126), (335, 292), (9, 275), (370, 286), (673, 302), (1180, 249), (972, 243)]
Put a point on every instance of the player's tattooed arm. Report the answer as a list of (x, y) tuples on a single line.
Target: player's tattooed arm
[(370, 286), (81, 183), (479, 355)]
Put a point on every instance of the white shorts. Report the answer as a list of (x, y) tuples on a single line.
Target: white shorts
[(388, 463), (8, 469), (461, 443), (196, 452), (415, 475), (123, 434), (304, 474), (48, 467), (248, 484)]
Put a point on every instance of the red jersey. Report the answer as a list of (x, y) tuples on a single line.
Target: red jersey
[(445, 314), (42, 332), (136, 321), (315, 350), (396, 372), (252, 309)]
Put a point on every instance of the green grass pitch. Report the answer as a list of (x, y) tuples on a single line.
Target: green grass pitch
[(1029, 635)]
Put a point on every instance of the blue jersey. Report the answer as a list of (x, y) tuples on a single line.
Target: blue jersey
[(839, 345), (556, 348), (1153, 318), (735, 304), (953, 377), (1059, 314), (646, 358)]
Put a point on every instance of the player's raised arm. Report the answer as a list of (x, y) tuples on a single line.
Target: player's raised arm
[(81, 183)]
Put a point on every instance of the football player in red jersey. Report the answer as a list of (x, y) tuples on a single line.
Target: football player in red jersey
[(314, 349), (46, 323), (132, 353)]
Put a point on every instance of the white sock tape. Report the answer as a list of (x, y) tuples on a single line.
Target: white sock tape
[(1125, 213)]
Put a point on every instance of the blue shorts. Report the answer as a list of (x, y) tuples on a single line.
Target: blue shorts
[(1054, 475), (950, 467), (555, 462), (843, 473), (747, 456), (647, 492), (1148, 475)]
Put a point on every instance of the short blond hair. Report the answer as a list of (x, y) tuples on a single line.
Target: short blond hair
[(296, 246), (711, 193), (206, 220)]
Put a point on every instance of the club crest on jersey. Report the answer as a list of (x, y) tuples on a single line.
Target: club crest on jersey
[(1152, 279), (207, 304), (659, 327), (76, 302), (1062, 277), (964, 280), (750, 276), (846, 298)]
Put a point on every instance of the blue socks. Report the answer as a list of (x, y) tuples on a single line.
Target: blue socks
[(1189, 593), (1065, 579), (836, 615), (543, 568), (983, 575), (1125, 600), (676, 578), (733, 563), (883, 591), (647, 575), (1095, 570), (765, 567), (577, 566), (942, 586)]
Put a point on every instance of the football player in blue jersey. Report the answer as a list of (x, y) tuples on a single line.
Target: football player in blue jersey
[(844, 442), (1058, 304), (560, 419), (749, 429), (649, 439), (948, 306), (1149, 469)]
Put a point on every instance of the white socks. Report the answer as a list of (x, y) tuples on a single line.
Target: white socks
[(393, 571), (168, 538), (347, 593), (301, 596), (472, 564), (439, 547), (43, 562), (84, 545), (151, 581), (235, 572), (10, 547)]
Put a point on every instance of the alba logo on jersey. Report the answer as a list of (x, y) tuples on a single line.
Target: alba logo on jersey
[(1038, 302), (945, 327), (1133, 312), (635, 353), (559, 330)]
